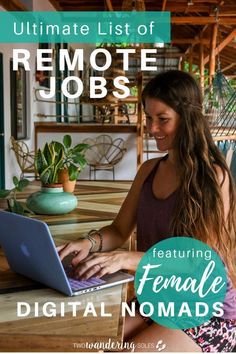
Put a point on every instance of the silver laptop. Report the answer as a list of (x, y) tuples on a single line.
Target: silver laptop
[(30, 251)]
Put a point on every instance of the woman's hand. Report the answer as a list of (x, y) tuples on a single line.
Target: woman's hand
[(99, 264), (80, 250)]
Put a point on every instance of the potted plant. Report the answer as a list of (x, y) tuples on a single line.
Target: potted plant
[(51, 200), (9, 195), (73, 162), (47, 164)]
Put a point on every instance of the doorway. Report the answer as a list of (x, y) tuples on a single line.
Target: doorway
[(2, 147)]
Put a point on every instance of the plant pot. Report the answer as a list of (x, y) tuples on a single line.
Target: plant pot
[(63, 178), (51, 201)]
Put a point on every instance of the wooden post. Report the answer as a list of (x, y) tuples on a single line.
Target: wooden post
[(191, 60), (181, 63), (109, 5), (222, 45), (163, 7), (201, 65), (212, 53)]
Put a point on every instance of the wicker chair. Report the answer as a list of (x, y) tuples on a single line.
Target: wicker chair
[(104, 153), (24, 157)]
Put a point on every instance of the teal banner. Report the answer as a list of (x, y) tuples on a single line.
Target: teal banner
[(85, 27)]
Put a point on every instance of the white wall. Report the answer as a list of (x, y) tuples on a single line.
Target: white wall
[(11, 167), (125, 170)]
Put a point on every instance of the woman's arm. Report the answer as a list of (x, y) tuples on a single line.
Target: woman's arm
[(114, 235)]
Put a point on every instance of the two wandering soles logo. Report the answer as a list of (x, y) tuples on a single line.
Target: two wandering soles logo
[(181, 283), (120, 346)]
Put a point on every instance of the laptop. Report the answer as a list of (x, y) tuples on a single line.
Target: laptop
[(30, 251)]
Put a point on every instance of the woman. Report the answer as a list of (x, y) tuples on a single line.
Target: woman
[(187, 192)]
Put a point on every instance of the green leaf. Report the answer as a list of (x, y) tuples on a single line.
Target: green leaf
[(11, 203), (15, 181), (51, 175), (4, 193), (67, 141), (27, 210), (80, 160), (80, 147), (58, 146), (17, 207), (45, 176), (22, 184), (58, 165), (73, 172), (40, 162), (48, 154)]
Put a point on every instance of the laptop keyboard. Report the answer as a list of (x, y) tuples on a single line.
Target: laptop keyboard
[(82, 284)]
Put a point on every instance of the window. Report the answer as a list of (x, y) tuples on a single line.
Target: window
[(18, 102)]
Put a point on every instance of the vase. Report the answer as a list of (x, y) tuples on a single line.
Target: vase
[(51, 201), (63, 178)]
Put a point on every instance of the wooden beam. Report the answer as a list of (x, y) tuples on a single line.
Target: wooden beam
[(13, 5), (81, 2), (56, 5), (163, 8), (190, 40), (172, 55), (212, 61), (225, 10), (190, 61), (197, 37), (183, 7), (228, 67), (223, 44), (84, 8), (231, 77), (204, 1), (109, 5), (226, 41), (201, 65), (182, 59), (232, 45), (201, 20)]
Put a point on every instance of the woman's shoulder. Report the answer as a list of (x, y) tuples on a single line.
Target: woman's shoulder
[(146, 168), (148, 165)]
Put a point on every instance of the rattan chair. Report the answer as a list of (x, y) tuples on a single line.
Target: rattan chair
[(104, 153), (24, 157)]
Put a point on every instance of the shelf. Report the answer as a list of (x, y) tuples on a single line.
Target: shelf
[(53, 127)]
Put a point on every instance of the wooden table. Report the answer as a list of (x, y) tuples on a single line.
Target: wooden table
[(97, 206)]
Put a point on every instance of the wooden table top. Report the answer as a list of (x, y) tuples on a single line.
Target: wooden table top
[(98, 203)]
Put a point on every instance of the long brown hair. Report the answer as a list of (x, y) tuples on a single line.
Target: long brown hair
[(200, 210)]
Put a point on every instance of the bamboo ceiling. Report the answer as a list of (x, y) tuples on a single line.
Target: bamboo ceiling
[(192, 21)]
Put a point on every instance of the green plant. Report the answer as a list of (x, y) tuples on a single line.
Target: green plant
[(48, 162), (73, 156), (10, 195)]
